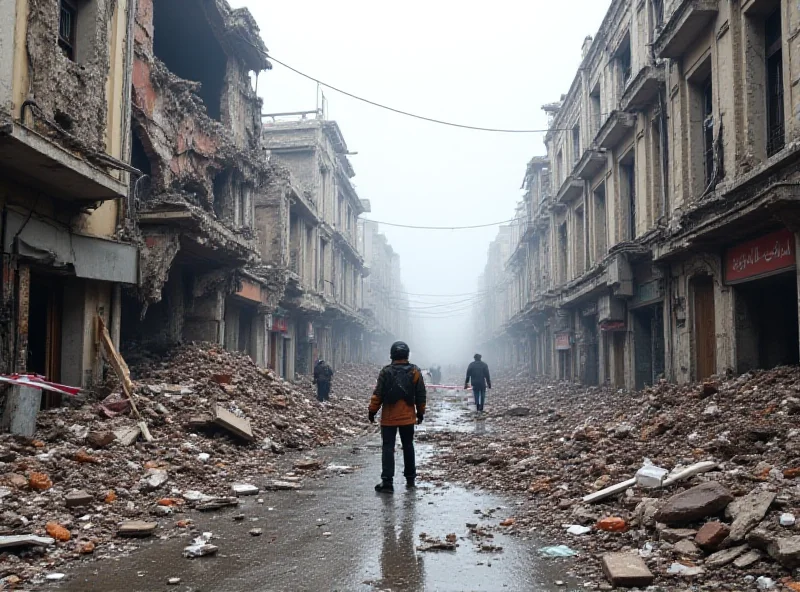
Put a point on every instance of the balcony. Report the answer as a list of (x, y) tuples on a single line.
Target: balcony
[(52, 169), (643, 89), (592, 162), (618, 125), (571, 188), (687, 21)]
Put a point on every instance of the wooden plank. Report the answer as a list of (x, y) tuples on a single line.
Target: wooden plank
[(609, 491), (122, 372), (237, 425), (695, 469), (22, 406)]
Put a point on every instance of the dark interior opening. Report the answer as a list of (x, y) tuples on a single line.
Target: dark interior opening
[(184, 41), (139, 158), (648, 344), (766, 323)]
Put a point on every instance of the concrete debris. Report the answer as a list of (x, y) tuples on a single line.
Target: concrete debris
[(787, 519), (741, 459), (25, 540), (694, 504), (75, 499), (429, 543), (136, 528), (245, 489), (626, 570)]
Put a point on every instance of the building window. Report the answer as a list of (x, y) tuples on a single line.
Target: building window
[(658, 13), (67, 23), (708, 131), (624, 61), (597, 111), (775, 111), (576, 144), (627, 173)]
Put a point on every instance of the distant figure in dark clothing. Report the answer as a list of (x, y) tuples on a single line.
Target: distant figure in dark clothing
[(323, 374), (400, 392), (436, 374), (478, 373)]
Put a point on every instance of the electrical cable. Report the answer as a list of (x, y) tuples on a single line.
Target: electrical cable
[(406, 113)]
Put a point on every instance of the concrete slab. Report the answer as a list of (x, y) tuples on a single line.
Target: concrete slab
[(627, 570), (237, 425)]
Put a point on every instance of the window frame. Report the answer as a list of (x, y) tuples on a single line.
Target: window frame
[(68, 45)]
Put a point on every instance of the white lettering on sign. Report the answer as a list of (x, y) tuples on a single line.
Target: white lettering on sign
[(755, 255)]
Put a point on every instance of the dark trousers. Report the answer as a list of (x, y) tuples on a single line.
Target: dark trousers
[(389, 436), (323, 390), (480, 397)]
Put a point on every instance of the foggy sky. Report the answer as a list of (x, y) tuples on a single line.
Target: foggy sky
[(490, 65)]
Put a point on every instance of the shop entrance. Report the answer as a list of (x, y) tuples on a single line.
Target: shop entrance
[(44, 332), (767, 322), (648, 344), (591, 346)]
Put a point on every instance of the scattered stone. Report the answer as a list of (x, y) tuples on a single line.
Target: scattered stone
[(136, 528), (256, 532), (55, 577), (100, 439), (694, 504), (308, 464), (25, 540), (518, 412), (39, 481), (765, 583), (787, 519), (627, 570), (245, 489), (687, 548), (748, 512), (725, 556), (750, 558), (76, 499), (284, 486), (711, 535), (786, 551), (156, 478), (217, 503), (673, 535), (173, 581)]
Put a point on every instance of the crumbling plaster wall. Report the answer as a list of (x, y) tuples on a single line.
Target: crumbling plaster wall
[(71, 93), (187, 148)]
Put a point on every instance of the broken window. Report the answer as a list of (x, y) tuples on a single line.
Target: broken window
[(562, 252), (775, 109), (624, 62), (708, 131), (600, 222), (67, 27), (184, 41), (658, 13), (627, 174), (576, 144)]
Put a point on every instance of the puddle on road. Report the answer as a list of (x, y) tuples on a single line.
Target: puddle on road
[(337, 534)]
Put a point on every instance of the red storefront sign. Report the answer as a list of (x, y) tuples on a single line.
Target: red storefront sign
[(280, 325), (760, 257), (562, 341)]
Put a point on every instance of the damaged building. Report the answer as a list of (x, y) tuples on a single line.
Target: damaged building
[(322, 313), (64, 184), (660, 234), (195, 135)]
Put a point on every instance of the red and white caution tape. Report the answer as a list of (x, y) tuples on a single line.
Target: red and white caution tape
[(38, 382)]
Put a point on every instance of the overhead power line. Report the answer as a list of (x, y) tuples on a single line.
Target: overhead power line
[(440, 227), (406, 113)]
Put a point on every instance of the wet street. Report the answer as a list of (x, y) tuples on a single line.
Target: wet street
[(338, 534)]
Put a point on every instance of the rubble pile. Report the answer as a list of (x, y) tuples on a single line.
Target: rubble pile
[(87, 482), (553, 444)]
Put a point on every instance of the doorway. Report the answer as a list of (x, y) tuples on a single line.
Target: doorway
[(44, 332), (591, 346), (705, 332), (648, 344)]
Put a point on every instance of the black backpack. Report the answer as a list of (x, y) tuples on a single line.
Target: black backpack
[(399, 384)]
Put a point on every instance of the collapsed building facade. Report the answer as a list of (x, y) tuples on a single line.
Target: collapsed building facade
[(658, 236), (136, 188)]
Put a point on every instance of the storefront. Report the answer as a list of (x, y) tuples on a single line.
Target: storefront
[(279, 342), (611, 316), (763, 274), (647, 316), (589, 345), (563, 344)]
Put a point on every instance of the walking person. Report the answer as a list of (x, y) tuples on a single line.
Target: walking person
[(478, 374), (323, 374), (400, 392)]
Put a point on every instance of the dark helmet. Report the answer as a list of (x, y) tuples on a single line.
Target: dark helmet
[(399, 351), (477, 357)]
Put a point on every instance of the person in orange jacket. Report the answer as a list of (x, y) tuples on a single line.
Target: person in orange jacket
[(401, 393)]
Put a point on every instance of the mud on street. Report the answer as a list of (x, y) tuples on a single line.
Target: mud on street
[(336, 533)]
